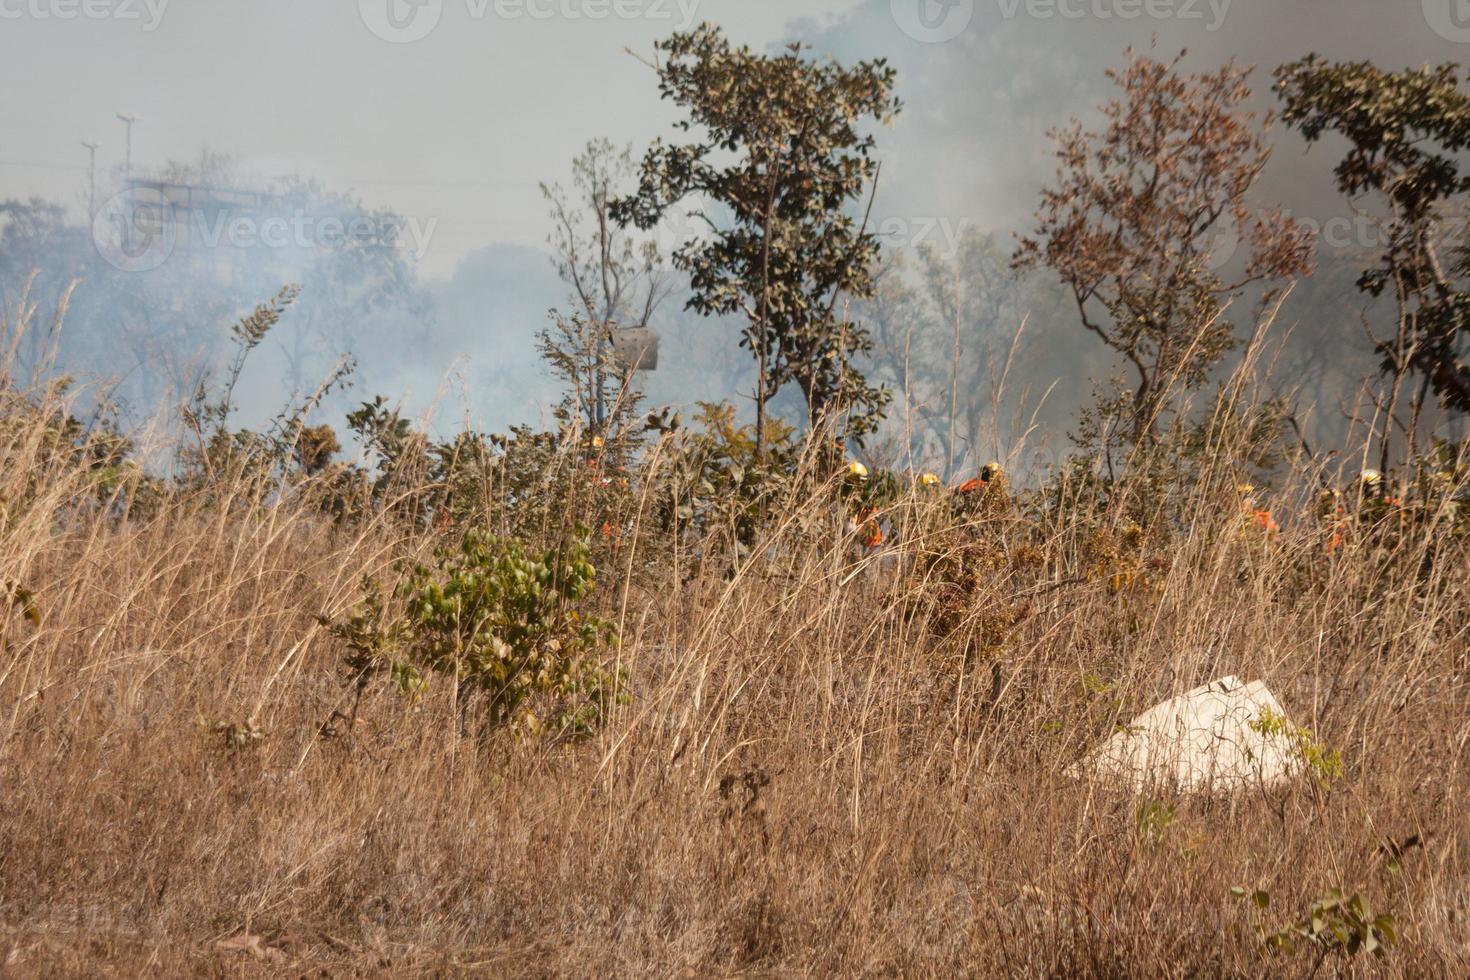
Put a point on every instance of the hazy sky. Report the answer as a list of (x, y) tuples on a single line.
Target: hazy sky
[(456, 127), (451, 111)]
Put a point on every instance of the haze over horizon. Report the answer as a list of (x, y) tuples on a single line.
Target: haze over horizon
[(451, 113), (456, 129)]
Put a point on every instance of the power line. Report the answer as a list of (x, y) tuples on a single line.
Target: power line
[(91, 180), (128, 122), (527, 183), (42, 166), (441, 183)]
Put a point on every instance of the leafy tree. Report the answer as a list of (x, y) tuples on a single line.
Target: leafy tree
[(712, 481), (30, 230), (43, 260), (779, 161), (1135, 209), (1404, 131)]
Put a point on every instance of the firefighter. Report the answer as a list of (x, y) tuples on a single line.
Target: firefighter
[(992, 478), (1333, 514), (864, 520), (1373, 486), (986, 492), (867, 526), (1257, 518)]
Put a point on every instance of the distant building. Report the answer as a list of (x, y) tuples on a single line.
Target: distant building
[(202, 224)]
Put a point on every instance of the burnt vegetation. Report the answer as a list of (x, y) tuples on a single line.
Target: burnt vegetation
[(754, 693)]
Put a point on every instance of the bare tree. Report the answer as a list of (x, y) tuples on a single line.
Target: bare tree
[(616, 281)]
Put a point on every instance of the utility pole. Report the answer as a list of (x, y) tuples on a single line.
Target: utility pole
[(128, 156), (604, 336), (91, 180)]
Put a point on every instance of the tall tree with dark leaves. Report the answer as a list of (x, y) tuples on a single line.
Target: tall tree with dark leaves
[(1406, 133), (783, 172)]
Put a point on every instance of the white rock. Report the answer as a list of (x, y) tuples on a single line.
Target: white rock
[(1209, 740)]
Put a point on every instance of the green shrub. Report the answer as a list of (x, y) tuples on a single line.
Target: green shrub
[(1324, 764), (712, 483), (503, 625), (1334, 924)]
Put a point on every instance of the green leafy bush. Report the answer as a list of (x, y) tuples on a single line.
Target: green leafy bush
[(712, 480), (1334, 924), (501, 623), (1324, 764)]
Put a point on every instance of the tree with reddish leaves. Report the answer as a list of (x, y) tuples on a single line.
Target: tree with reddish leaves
[(1133, 223)]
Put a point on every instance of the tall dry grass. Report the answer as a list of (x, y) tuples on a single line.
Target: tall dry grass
[(811, 777)]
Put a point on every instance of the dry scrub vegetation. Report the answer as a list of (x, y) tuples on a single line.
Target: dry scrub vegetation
[(830, 758)]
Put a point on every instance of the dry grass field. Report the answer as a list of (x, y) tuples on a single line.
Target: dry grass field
[(833, 759)]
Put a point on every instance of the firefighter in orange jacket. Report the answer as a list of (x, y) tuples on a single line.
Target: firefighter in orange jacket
[(987, 492)]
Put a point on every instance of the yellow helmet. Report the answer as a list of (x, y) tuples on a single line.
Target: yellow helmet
[(857, 470), (929, 480), (1371, 478)]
